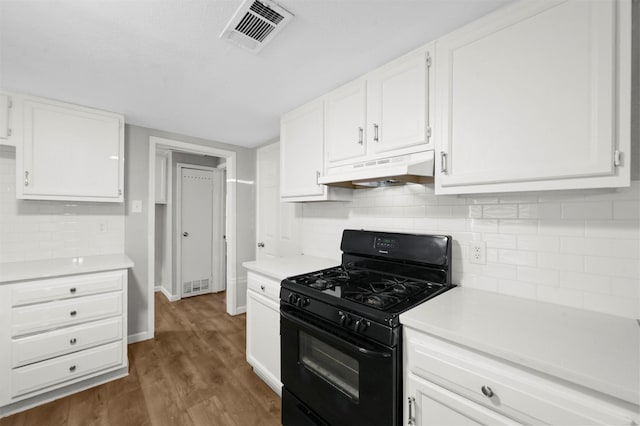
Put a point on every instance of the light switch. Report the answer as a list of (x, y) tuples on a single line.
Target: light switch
[(136, 206)]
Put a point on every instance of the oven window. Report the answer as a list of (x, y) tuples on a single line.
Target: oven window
[(330, 364)]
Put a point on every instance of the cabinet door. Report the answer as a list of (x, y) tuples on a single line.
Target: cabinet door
[(301, 157), (263, 338), (431, 404), (345, 122), (528, 95), (70, 153), (397, 107), (5, 102)]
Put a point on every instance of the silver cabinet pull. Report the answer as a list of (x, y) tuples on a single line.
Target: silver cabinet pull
[(26, 178), (411, 418), (73, 341), (486, 391), (260, 244), (360, 135), (375, 133), (443, 162)]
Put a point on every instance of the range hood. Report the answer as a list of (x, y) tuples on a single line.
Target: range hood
[(410, 168)]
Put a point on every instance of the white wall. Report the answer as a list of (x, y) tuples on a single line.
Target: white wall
[(36, 229)]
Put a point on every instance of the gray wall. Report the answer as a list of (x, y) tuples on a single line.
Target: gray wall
[(136, 226)]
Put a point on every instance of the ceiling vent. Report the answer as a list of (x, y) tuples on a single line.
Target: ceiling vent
[(255, 23)]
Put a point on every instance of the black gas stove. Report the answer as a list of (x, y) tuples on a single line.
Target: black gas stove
[(340, 324)]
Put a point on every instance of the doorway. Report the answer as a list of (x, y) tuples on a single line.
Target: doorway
[(200, 230), (229, 256)]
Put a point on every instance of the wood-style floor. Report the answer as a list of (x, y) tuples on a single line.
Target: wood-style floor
[(194, 372)]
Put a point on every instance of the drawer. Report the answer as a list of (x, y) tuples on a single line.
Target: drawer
[(38, 347), (44, 316), (69, 367), (67, 287), (263, 285), (515, 391)]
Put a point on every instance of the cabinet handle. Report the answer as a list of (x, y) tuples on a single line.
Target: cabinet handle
[(486, 391), (375, 133), (443, 162), (72, 290), (360, 135), (73, 341), (411, 419), (317, 177), (26, 178), (262, 287), (72, 368), (260, 244), (73, 313)]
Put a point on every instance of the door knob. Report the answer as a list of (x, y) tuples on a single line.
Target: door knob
[(185, 234), (260, 244)]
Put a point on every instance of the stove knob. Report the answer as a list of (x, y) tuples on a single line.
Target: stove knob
[(361, 325), (291, 298), (345, 319), (304, 301)]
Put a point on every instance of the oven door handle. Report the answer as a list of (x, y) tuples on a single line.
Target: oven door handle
[(364, 351)]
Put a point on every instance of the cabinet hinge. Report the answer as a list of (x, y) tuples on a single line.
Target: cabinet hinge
[(119, 191), (428, 132), (617, 155), (428, 60)]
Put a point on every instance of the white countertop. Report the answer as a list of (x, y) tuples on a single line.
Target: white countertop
[(47, 268), (598, 351), (282, 267)]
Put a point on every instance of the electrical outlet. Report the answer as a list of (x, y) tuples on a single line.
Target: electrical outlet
[(478, 252), (102, 228)]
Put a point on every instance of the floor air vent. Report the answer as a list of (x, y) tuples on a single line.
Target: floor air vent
[(255, 23)]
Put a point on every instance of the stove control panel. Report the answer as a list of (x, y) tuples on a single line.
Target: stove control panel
[(384, 243)]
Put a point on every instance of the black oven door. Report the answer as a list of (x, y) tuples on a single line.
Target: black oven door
[(336, 376)]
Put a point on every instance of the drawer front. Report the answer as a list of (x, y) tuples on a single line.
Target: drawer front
[(33, 318), (38, 347), (268, 287), (67, 287), (69, 367), (514, 391)]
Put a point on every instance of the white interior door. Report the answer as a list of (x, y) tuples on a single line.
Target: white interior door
[(196, 231), (277, 221)]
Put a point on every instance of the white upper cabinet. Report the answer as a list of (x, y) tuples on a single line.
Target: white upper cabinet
[(5, 128), (69, 152), (397, 104), (535, 96), (384, 113), (302, 155), (345, 121)]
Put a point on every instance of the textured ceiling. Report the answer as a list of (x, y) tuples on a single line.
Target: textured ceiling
[(161, 63)]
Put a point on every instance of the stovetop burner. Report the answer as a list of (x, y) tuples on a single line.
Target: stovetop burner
[(370, 288)]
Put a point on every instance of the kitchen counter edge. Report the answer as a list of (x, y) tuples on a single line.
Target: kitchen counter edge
[(49, 268), (280, 268)]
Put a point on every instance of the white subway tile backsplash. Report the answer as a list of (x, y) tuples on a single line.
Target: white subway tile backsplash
[(572, 248), (31, 230), (626, 210), (500, 211), (587, 210)]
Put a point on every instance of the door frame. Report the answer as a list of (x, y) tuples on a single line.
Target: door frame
[(230, 219), (178, 231)]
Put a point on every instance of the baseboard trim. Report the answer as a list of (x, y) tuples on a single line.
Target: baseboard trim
[(138, 337), (170, 297)]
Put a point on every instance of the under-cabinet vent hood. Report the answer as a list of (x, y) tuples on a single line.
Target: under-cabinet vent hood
[(255, 23), (411, 168)]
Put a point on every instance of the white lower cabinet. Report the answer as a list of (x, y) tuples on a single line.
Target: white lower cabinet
[(450, 384), (263, 328), (61, 335)]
